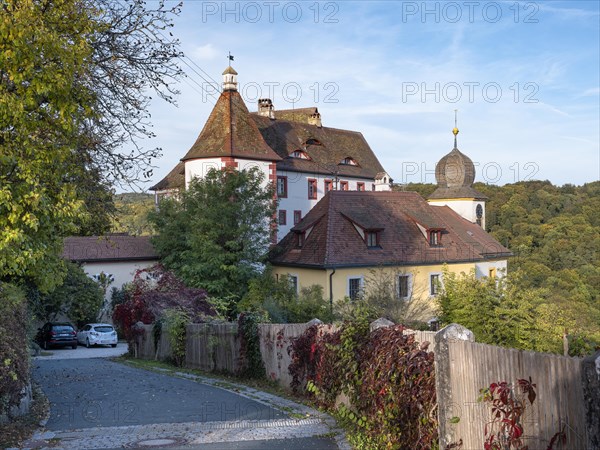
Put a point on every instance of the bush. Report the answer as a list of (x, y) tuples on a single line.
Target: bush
[(14, 357), (279, 300), (388, 377)]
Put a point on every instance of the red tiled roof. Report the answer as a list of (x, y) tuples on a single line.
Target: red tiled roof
[(285, 137), (175, 179), (230, 132), (108, 248), (335, 242)]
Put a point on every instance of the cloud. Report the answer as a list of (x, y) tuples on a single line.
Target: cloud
[(204, 52)]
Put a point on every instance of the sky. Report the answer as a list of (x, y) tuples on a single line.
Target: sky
[(524, 77)]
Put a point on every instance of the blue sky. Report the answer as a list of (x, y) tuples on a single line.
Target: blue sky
[(524, 77)]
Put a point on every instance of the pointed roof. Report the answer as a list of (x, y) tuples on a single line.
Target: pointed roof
[(231, 132), (455, 174), (175, 179), (401, 217)]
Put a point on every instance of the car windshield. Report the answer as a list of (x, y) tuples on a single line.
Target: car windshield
[(62, 328), (104, 329)]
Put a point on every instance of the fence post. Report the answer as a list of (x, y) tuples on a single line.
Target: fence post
[(590, 373), (443, 386)]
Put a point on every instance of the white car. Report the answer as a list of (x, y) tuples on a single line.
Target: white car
[(97, 333)]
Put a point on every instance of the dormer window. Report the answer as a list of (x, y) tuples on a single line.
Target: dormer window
[(348, 161), (300, 237), (300, 155), (312, 141), (435, 238), (372, 239)]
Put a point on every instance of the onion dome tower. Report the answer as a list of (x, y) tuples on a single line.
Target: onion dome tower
[(455, 174)]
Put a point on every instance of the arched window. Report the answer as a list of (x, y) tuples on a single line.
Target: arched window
[(299, 154)]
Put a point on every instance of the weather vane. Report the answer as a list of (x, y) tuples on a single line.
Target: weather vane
[(455, 130), (230, 57)]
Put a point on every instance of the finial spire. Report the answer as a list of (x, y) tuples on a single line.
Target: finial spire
[(455, 129)]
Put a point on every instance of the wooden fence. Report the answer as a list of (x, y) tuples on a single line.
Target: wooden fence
[(464, 367)]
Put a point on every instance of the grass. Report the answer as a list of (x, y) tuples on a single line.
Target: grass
[(14, 433)]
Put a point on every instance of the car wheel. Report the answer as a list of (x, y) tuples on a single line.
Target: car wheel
[(87, 343), (74, 346), (113, 345)]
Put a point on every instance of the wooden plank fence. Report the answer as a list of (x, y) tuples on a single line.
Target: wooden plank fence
[(559, 404), (463, 367)]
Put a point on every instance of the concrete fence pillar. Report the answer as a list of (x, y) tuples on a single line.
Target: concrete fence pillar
[(382, 322), (590, 373), (443, 386)]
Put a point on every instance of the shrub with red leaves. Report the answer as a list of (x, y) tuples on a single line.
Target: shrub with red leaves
[(155, 290)]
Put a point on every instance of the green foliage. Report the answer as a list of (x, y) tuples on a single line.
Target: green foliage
[(554, 277), (14, 357), (174, 322), (131, 215), (381, 297), (78, 297), (387, 376), (217, 233), (278, 299), (251, 364), (45, 46)]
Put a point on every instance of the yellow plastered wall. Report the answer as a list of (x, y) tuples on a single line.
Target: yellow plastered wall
[(419, 277)]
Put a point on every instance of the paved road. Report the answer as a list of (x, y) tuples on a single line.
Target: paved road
[(98, 403)]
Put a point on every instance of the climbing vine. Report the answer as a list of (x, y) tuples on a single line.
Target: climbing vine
[(251, 364)]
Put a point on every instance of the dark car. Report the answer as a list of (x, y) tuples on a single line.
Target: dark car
[(57, 334)]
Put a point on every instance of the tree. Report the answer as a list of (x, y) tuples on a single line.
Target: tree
[(78, 297), (282, 304), (216, 235), (75, 79)]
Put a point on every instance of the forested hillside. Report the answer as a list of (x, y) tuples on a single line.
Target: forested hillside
[(554, 233), (132, 213)]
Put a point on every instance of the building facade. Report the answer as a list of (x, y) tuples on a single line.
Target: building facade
[(349, 238), (303, 159)]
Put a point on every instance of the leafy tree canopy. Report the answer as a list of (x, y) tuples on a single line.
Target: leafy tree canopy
[(78, 297), (75, 78), (215, 236)]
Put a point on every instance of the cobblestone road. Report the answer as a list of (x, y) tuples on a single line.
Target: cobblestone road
[(101, 404)]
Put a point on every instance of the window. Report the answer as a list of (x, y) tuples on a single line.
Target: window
[(492, 272), (293, 280), (372, 238), (282, 217), (300, 240), (354, 288), (403, 286), (434, 284), (348, 162), (328, 185), (373, 187), (434, 238), (300, 155), (312, 189), (282, 187), (360, 186), (479, 214), (297, 217), (343, 185)]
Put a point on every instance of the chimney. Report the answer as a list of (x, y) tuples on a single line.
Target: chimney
[(266, 108), (315, 119)]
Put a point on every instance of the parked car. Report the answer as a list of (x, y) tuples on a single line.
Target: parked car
[(56, 334), (97, 334)]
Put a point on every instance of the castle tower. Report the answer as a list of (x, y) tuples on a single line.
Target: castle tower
[(455, 174)]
